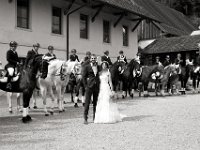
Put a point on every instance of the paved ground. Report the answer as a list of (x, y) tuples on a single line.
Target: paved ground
[(155, 123)]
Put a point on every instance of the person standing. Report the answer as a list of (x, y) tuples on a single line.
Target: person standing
[(30, 55), (13, 61), (167, 61), (106, 111), (91, 82), (106, 58), (73, 56), (50, 52), (121, 57)]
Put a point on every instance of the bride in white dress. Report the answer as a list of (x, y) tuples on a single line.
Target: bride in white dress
[(106, 110)]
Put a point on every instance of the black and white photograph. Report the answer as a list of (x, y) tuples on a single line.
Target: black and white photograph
[(100, 75)]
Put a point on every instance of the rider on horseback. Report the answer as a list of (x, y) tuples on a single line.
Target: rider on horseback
[(121, 57), (50, 53), (106, 58), (13, 61), (73, 56), (31, 54)]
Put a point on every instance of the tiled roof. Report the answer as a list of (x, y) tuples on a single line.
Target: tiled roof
[(175, 44), (129, 6), (171, 20)]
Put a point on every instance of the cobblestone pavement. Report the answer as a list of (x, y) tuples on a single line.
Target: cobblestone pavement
[(155, 123)]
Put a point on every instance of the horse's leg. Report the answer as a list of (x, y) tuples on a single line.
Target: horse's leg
[(77, 94), (26, 100), (34, 99), (124, 89), (52, 100), (43, 91), (145, 84), (83, 95), (9, 100), (19, 95), (58, 89), (62, 99)]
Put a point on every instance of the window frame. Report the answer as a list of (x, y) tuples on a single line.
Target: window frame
[(109, 32), (86, 25), (28, 16), (60, 20)]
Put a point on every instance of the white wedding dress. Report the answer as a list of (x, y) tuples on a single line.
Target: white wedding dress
[(106, 110)]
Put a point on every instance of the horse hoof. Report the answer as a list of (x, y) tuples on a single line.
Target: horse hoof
[(83, 104), (35, 107), (26, 119), (123, 97), (60, 111), (146, 95), (51, 112), (10, 111), (131, 95), (46, 114), (63, 110), (76, 105), (64, 102)]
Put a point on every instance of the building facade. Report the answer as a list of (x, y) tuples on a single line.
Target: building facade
[(44, 21)]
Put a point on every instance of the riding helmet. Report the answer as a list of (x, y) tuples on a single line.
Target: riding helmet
[(13, 44), (50, 47)]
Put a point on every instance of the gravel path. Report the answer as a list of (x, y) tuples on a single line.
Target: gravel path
[(156, 123)]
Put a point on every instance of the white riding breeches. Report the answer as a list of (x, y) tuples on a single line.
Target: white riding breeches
[(10, 71)]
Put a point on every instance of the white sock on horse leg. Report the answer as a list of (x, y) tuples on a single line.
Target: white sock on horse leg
[(45, 108), (133, 91), (83, 99), (75, 99), (24, 114), (27, 110)]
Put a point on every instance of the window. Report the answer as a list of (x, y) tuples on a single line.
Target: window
[(23, 14), (106, 31), (83, 26), (125, 35), (56, 20)]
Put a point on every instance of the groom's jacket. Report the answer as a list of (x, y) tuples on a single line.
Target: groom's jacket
[(90, 80)]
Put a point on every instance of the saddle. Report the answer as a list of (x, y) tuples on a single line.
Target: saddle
[(4, 75)]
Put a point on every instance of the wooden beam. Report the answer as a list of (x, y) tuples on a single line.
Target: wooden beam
[(137, 24), (97, 13), (69, 7), (119, 19), (136, 19)]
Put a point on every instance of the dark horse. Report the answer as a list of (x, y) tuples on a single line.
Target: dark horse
[(130, 78), (184, 76), (146, 76), (26, 82), (116, 71)]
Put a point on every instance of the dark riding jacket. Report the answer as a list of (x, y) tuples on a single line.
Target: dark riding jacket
[(30, 55), (12, 58), (73, 58), (166, 63), (107, 59)]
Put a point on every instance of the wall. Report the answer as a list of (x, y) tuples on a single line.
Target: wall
[(40, 31)]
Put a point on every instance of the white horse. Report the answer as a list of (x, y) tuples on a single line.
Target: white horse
[(58, 77)]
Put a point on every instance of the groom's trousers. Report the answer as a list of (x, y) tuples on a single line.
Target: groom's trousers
[(89, 92)]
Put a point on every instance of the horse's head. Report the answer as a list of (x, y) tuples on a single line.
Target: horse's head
[(135, 68), (121, 66), (40, 63), (68, 67)]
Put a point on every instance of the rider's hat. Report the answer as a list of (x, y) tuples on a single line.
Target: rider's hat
[(157, 57), (13, 44), (106, 52), (167, 56), (73, 51), (88, 53), (50, 47), (121, 52), (36, 45)]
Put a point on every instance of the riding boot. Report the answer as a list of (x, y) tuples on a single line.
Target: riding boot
[(9, 86)]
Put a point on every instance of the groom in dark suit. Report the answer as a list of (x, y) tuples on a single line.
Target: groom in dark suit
[(91, 82)]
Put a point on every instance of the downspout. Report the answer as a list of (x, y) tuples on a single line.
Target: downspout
[(67, 26)]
